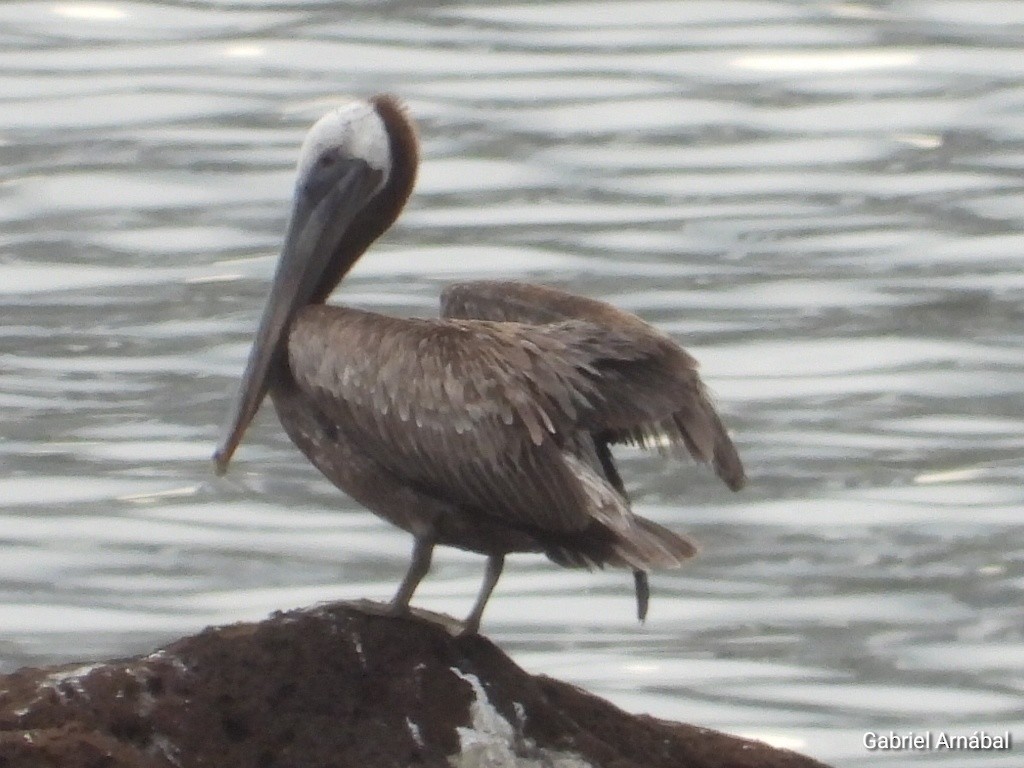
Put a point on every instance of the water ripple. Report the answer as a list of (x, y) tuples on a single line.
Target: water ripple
[(823, 202)]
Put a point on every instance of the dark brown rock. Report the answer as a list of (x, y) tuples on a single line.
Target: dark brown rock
[(337, 685)]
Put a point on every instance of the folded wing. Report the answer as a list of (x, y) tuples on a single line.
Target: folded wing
[(479, 413)]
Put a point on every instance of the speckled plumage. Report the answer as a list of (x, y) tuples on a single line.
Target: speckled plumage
[(488, 428)]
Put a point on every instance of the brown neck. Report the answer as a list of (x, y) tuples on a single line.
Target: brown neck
[(380, 213)]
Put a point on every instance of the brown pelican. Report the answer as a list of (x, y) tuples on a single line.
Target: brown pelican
[(487, 429)]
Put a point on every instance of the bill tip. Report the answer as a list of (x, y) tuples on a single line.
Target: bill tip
[(220, 462)]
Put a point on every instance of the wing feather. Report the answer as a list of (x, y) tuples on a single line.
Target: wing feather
[(471, 411), (646, 389)]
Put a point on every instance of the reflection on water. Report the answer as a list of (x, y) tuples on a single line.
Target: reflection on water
[(823, 202)]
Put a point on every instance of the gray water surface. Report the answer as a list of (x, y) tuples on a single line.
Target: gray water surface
[(822, 201)]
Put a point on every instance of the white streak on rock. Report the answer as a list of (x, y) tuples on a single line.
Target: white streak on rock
[(492, 742), (414, 731)]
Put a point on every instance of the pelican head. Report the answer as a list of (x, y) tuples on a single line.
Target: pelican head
[(355, 172)]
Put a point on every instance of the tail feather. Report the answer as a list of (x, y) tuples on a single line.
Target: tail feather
[(618, 537), (649, 545), (643, 546)]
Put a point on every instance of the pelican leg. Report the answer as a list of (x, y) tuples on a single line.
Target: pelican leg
[(422, 551), (643, 593), (495, 564)]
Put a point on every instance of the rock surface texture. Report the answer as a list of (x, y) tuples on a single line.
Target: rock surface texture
[(338, 685)]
